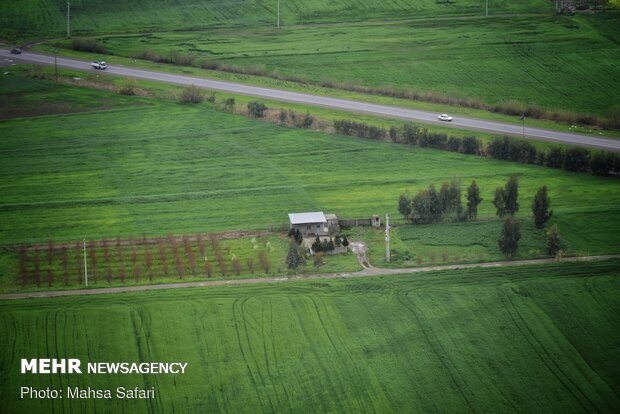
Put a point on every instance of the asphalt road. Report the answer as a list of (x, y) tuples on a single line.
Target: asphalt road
[(327, 102)]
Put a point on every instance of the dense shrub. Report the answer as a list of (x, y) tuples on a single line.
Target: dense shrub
[(576, 159), (129, 87), (88, 44), (257, 109), (191, 95)]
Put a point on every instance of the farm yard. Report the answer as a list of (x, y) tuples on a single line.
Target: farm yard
[(540, 339)]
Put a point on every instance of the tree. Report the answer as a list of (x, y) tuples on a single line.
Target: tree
[(553, 240), (263, 258), (473, 200), (404, 205), (540, 207), (250, 264), (499, 201), (345, 241), (299, 238), (236, 264), (506, 199), (510, 236), (337, 241), (511, 195), (295, 256)]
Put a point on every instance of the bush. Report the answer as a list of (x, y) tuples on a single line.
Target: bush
[(191, 95), (229, 104), (88, 44), (129, 87), (257, 109), (576, 159)]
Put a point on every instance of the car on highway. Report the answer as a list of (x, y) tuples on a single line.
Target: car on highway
[(16, 51), (99, 65), (445, 117)]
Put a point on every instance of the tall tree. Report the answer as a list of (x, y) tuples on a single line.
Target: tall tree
[(404, 205), (499, 201), (540, 207), (295, 256), (510, 236), (473, 200), (553, 240), (511, 194)]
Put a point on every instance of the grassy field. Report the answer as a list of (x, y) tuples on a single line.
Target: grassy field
[(48, 17), (532, 339), (160, 167), (545, 61)]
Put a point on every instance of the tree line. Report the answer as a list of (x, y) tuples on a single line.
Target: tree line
[(571, 159), (430, 205), (136, 260)]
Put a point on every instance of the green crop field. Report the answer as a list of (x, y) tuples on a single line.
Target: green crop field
[(546, 61), (152, 167), (533, 339), (48, 17), (521, 55)]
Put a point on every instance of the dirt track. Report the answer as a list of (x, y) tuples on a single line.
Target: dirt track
[(371, 271)]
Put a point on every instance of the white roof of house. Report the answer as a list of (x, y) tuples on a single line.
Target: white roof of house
[(303, 218)]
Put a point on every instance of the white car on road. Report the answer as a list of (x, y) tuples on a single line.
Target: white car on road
[(445, 117), (99, 65)]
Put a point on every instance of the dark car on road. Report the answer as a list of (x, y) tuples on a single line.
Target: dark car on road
[(16, 51)]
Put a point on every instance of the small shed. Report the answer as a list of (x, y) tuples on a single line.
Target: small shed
[(332, 224), (314, 223)]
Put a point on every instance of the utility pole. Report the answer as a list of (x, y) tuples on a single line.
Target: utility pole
[(55, 64), (487, 8), (85, 266), (68, 19), (387, 238), (278, 14), (523, 123)]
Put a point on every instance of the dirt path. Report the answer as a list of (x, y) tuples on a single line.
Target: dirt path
[(370, 271), (361, 251)]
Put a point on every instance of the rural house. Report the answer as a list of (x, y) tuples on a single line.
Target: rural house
[(314, 223)]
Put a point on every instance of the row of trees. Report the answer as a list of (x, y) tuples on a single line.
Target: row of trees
[(430, 205), (507, 205), (572, 159), (136, 259)]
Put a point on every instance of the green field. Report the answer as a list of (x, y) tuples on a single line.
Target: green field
[(531, 339), (545, 61), (152, 167), (48, 17)]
